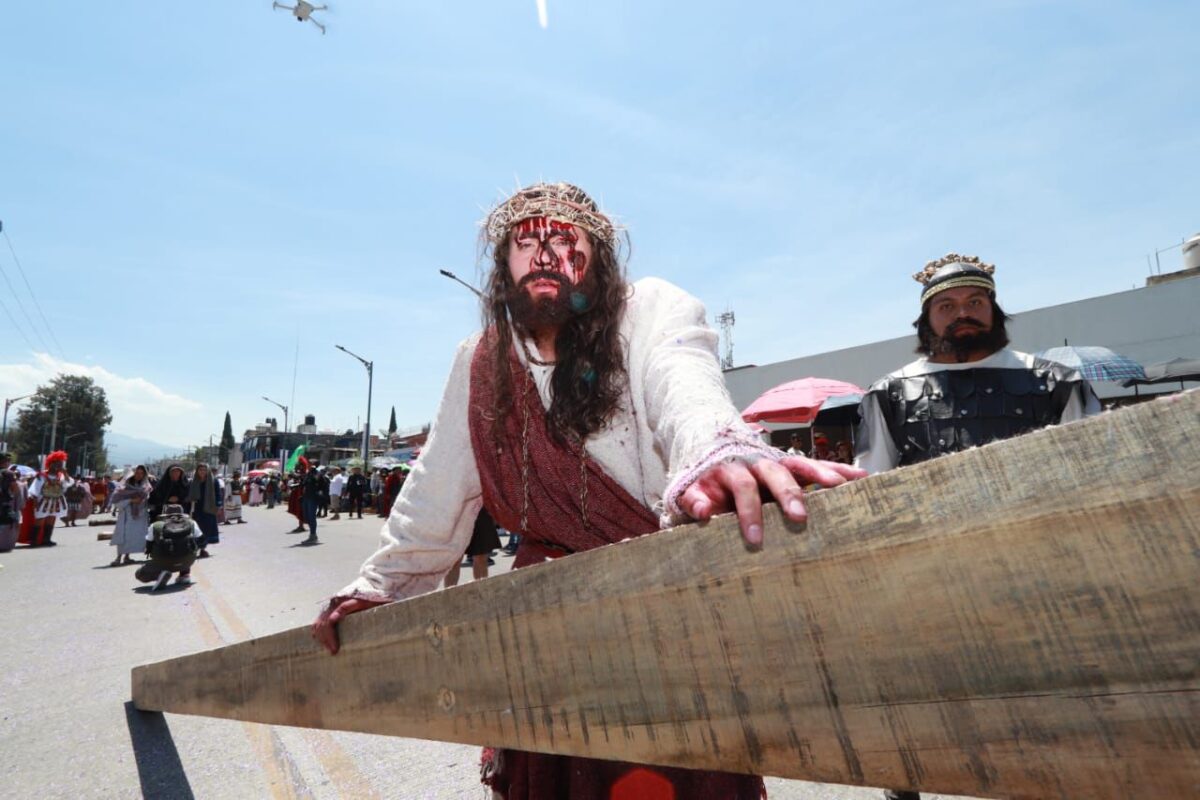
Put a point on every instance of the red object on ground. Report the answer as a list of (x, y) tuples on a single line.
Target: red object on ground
[(797, 401)]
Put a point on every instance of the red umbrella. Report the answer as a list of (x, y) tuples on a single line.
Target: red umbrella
[(799, 401)]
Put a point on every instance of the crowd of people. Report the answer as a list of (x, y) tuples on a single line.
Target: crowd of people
[(31, 506)]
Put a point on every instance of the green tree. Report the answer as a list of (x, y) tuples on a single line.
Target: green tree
[(83, 414), (392, 423), (227, 442)]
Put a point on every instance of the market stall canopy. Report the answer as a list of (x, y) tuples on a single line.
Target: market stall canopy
[(800, 400), (1095, 363), (1177, 369)]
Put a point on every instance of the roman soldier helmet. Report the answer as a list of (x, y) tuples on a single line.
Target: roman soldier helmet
[(952, 271), (173, 510), (55, 457)]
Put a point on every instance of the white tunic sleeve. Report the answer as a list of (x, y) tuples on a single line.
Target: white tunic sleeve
[(431, 522), (673, 356)]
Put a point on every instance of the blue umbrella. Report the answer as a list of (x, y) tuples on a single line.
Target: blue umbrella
[(1096, 363)]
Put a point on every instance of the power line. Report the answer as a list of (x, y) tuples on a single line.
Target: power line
[(33, 296), (15, 325), (13, 294)]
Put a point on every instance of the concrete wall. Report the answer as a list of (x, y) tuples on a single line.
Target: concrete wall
[(1155, 323)]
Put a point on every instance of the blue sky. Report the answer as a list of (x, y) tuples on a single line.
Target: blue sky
[(193, 188)]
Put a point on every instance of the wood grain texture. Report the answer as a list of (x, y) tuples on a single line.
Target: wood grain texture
[(1020, 620)]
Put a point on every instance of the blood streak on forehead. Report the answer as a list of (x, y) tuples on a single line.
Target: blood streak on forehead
[(543, 226)]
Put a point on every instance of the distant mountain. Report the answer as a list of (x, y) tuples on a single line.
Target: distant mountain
[(128, 450)]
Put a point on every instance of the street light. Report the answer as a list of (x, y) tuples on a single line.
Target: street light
[(285, 412), (454, 277), (4, 434), (370, 365)]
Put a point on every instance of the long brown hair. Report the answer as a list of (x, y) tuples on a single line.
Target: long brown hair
[(589, 376)]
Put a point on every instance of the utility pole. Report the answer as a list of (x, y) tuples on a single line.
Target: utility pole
[(4, 433), (370, 365), (54, 425)]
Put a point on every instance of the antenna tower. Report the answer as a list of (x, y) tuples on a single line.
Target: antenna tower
[(725, 320)]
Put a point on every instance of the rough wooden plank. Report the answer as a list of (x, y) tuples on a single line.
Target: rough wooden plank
[(1021, 620)]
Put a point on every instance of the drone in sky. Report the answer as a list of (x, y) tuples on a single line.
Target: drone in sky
[(302, 11)]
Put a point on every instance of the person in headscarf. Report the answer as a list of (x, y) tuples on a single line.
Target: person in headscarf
[(205, 496), (172, 487), (133, 516)]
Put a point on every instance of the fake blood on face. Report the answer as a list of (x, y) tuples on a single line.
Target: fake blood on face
[(541, 244)]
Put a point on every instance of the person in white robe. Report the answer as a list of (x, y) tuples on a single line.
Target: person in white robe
[(133, 517)]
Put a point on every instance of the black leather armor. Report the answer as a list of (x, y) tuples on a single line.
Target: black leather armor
[(951, 410)]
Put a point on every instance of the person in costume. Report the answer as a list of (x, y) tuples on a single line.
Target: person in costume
[(131, 502), (10, 504), (99, 489), (172, 488), (47, 502), (76, 494), (272, 491), (968, 388), (322, 492), (356, 492), (171, 546), (585, 406), (295, 504), (233, 499), (256, 492), (312, 487), (206, 499)]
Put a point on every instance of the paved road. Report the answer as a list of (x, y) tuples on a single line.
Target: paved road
[(73, 627)]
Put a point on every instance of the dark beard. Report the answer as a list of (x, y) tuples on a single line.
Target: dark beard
[(961, 347), (531, 313)]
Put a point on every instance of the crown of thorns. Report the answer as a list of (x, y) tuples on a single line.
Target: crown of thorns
[(561, 202), (925, 275)]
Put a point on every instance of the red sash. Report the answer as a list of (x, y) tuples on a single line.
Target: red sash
[(570, 503), (522, 467)]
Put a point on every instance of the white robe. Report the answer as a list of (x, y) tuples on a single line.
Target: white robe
[(129, 536), (676, 421)]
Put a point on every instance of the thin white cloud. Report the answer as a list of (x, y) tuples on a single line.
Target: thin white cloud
[(139, 407)]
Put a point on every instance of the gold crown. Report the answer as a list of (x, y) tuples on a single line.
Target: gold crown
[(924, 276), (562, 202)]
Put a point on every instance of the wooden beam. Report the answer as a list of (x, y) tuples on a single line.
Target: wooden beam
[(1020, 620)]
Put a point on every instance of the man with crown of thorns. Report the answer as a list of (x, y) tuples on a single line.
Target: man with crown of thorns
[(967, 389), (588, 411)]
